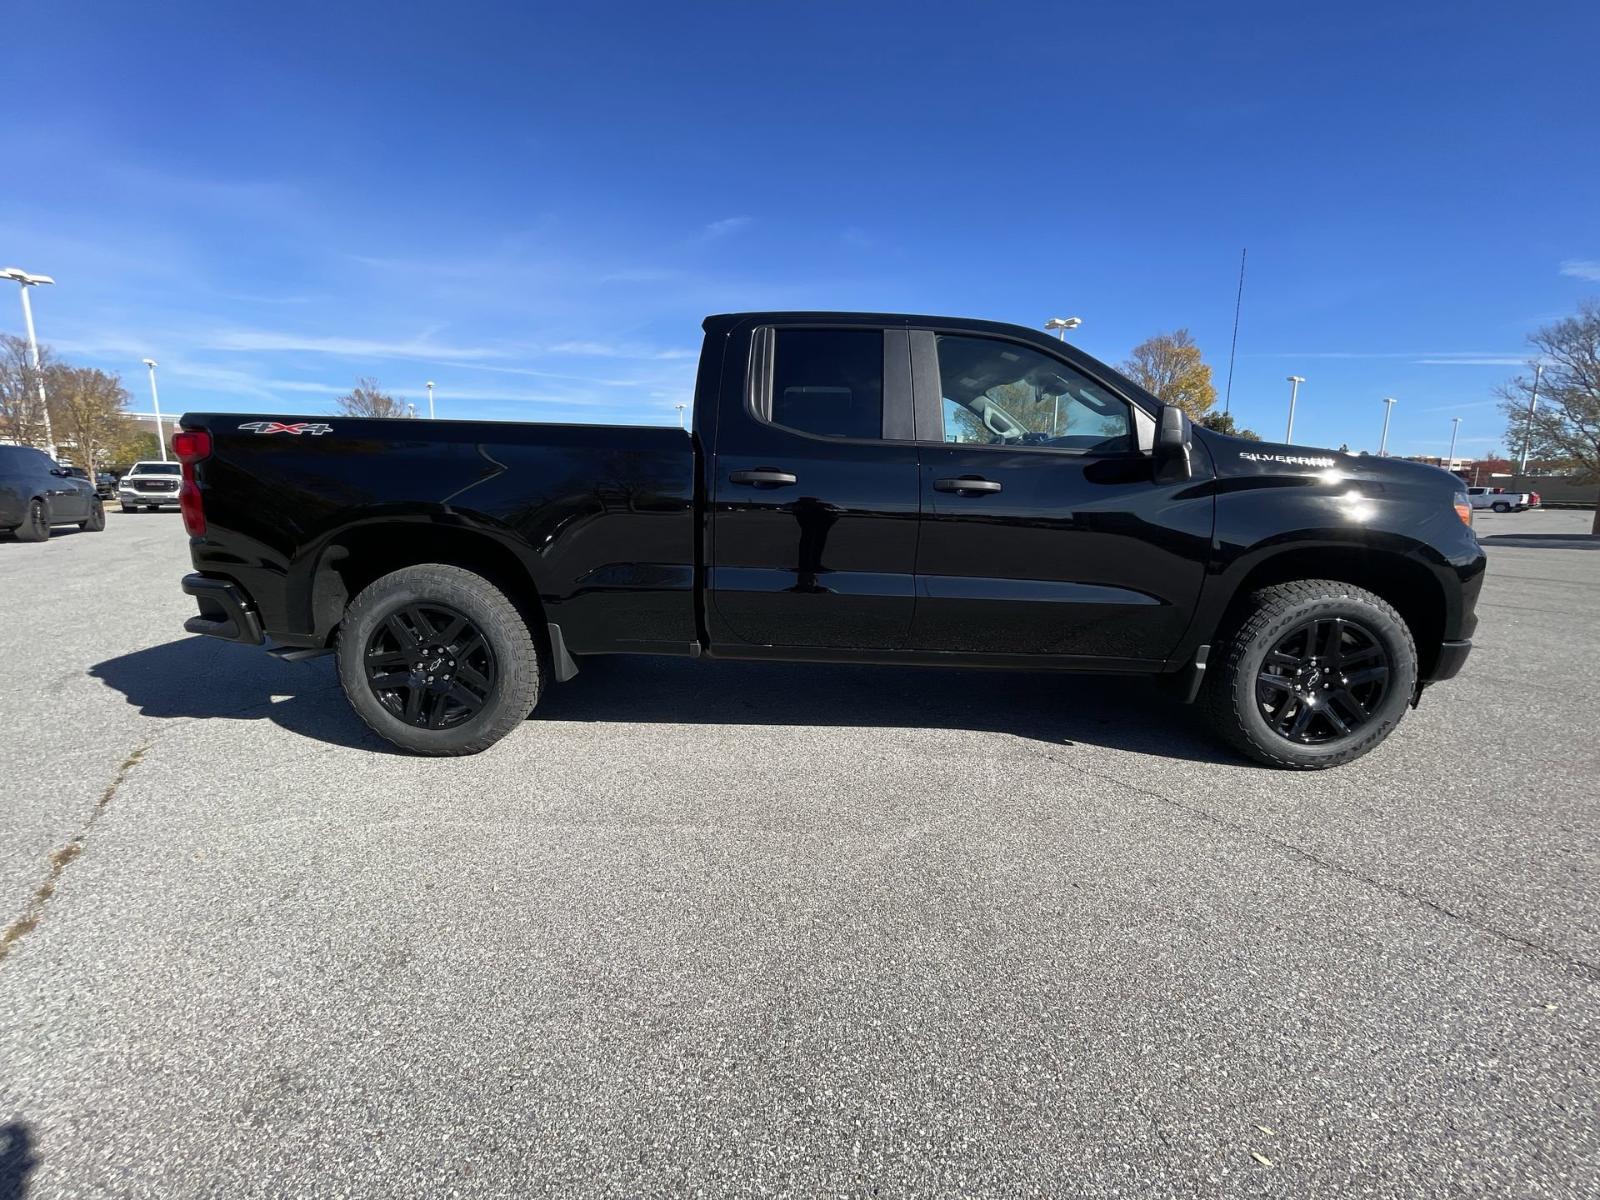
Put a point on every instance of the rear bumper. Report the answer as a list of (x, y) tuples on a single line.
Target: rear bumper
[(1452, 657), (225, 611)]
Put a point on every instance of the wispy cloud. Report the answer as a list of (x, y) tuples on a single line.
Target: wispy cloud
[(1452, 408), (613, 350), (724, 227), (1582, 268), (1432, 358), (423, 346), (1475, 360)]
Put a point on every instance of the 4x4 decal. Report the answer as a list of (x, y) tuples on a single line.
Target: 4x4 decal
[(314, 428)]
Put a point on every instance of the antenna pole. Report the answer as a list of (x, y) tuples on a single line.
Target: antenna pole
[(1227, 398)]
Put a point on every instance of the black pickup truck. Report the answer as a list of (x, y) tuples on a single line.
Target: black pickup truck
[(855, 488)]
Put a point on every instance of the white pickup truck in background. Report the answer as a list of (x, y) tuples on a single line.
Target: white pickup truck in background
[(1500, 500)]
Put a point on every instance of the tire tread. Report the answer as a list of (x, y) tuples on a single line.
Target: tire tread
[(462, 589), (1221, 700)]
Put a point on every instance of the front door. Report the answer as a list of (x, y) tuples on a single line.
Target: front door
[(1043, 529), (815, 494)]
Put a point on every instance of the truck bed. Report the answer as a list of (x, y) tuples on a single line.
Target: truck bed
[(301, 511)]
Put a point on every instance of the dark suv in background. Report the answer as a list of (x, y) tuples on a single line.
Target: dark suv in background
[(36, 493)]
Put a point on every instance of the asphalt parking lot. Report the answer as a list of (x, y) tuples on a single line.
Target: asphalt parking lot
[(715, 929)]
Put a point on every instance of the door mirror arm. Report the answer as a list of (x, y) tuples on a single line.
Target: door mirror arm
[(1174, 439)]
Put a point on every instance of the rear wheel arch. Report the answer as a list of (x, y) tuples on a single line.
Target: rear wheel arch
[(1408, 585), (356, 557)]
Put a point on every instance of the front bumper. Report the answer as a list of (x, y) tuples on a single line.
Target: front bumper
[(148, 498), (225, 611), (1452, 657)]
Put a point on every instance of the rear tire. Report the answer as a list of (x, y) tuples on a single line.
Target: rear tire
[(1502, 508), (35, 526), (1281, 695), (396, 639), (97, 518)]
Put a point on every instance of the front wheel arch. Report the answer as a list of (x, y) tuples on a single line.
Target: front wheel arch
[(1398, 578)]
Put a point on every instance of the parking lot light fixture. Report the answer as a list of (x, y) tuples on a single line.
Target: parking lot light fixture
[(1062, 324), (1455, 428), (1533, 404), (1388, 410), (1294, 394), (430, 399), (161, 436), (24, 282)]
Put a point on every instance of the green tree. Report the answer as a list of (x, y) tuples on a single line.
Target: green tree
[(1169, 366), (1224, 423), (87, 412), (1564, 428), (366, 399), (138, 446)]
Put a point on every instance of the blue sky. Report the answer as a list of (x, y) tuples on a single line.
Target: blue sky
[(535, 205)]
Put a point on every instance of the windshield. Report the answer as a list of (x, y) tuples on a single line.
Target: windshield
[(156, 468)]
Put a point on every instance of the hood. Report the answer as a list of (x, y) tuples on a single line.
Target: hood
[(1239, 457)]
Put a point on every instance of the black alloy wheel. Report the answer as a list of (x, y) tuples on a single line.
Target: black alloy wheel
[(428, 665), (1323, 681), (35, 525)]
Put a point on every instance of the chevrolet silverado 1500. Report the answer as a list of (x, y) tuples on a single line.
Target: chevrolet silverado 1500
[(855, 488)]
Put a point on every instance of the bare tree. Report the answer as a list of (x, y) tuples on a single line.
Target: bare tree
[(21, 419), (1564, 428), (367, 400), (86, 408), (1169, 366)]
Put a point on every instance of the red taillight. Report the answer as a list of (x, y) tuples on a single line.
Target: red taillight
[(191, 445)]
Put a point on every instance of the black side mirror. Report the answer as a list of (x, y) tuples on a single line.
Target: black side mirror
[(1174, 437)]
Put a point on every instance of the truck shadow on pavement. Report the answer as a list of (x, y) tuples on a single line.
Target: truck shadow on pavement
[(201, 678), (17, 1160), (1060, 709)]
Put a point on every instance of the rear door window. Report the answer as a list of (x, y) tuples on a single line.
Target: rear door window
[(828, 382)]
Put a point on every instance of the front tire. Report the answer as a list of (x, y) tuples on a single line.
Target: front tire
[(437, 660), (1314, 674), (97, 519), (35, 526)]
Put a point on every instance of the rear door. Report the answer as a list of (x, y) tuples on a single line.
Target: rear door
[(66, 502), (815, 492), (1043, 531)]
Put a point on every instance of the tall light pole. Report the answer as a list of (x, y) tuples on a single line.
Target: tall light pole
[(1388, 410), (1455, 428), (1527, 430), (1062, 324), (155, 399), (430, 399), (680, 407), (27, 281), (1294, 394)]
